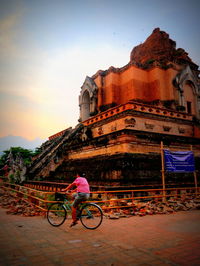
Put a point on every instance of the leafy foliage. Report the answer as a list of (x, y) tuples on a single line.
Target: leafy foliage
[(150, 61), (25, 154)]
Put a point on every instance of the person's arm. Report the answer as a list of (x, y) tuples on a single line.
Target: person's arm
[(68, 187), (74, 190)]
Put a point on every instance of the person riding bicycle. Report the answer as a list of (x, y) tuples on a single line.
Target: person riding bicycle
[(82, 194)]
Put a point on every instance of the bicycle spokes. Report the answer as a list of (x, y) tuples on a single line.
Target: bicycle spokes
[(91, 216), (56, 214)]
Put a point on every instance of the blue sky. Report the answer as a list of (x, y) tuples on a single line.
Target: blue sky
[(47, 48)]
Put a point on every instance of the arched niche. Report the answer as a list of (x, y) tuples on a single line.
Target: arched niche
[(190, 97), (188, 94), (85, 110), (88, 99)]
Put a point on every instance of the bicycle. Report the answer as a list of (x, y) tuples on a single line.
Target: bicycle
[(90, 214)]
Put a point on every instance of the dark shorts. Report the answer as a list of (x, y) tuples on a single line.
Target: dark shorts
[(80, 197)]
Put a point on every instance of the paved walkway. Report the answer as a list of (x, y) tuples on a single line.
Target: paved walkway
[(151, 240)]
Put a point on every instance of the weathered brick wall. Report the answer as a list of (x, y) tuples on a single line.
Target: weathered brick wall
[(122, 169), (136, 83)]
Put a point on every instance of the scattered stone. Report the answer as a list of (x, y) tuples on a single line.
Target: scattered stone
[(152, 207), (96, 245), (125, 208), (74, 241), (17, 206), (113, 216)]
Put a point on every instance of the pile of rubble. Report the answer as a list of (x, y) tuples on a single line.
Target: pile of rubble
[(128, 209), (17, 205), (116, 209)]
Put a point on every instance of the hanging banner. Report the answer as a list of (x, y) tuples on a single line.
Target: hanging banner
[(179, 161)]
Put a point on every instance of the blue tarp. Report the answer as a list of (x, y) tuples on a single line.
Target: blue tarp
[(179, 161)]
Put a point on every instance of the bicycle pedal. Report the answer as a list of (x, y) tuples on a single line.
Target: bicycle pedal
[(73, 224)]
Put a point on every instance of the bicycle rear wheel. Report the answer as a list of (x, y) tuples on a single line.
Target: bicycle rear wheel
[(91, 216), (56, 214)]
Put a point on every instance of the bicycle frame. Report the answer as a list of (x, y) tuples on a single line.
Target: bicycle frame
[(68, 205)]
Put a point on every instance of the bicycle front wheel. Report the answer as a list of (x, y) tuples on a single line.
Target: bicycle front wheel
[(91, 216), (56, 214)]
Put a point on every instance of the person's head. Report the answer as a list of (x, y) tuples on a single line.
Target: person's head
[(80, 174)]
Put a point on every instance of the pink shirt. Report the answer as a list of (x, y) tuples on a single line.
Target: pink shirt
[(82, 185)]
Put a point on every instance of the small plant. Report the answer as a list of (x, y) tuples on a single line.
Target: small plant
[(150, 61)]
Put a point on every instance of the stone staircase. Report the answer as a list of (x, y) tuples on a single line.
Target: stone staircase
[(53, 153)]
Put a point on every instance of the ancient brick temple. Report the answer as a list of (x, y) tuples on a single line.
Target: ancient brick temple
[(125, 113)]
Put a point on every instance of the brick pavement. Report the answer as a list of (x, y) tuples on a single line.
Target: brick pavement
[(151, 240)]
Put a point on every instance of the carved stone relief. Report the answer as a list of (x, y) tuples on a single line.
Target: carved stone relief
[(113, 128), (149, 126), (100, 130), (130, 122), (166, 128), (181, 130)]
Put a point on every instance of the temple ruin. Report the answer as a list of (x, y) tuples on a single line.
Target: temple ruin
[(125, 113)]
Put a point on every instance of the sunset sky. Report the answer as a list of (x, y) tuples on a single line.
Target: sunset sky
[(48, 47)]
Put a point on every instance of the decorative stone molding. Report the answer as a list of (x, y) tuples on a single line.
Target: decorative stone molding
[(100, 130), (113, 128), (149, 126), (181, 130), (166, 128), (130, 122)]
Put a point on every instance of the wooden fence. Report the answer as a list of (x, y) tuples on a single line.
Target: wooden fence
[(117, 199)]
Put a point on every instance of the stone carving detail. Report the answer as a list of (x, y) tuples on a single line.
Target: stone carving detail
[(149, 126), (86, 134), (100, 130), (166, 128), (181, 130), (130, 122), (113, 128)]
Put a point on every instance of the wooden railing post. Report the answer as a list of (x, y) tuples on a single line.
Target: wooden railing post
[(195, 177), (163, 171)]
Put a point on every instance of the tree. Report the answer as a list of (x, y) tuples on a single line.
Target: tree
[(14, 162), (25, 154)]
